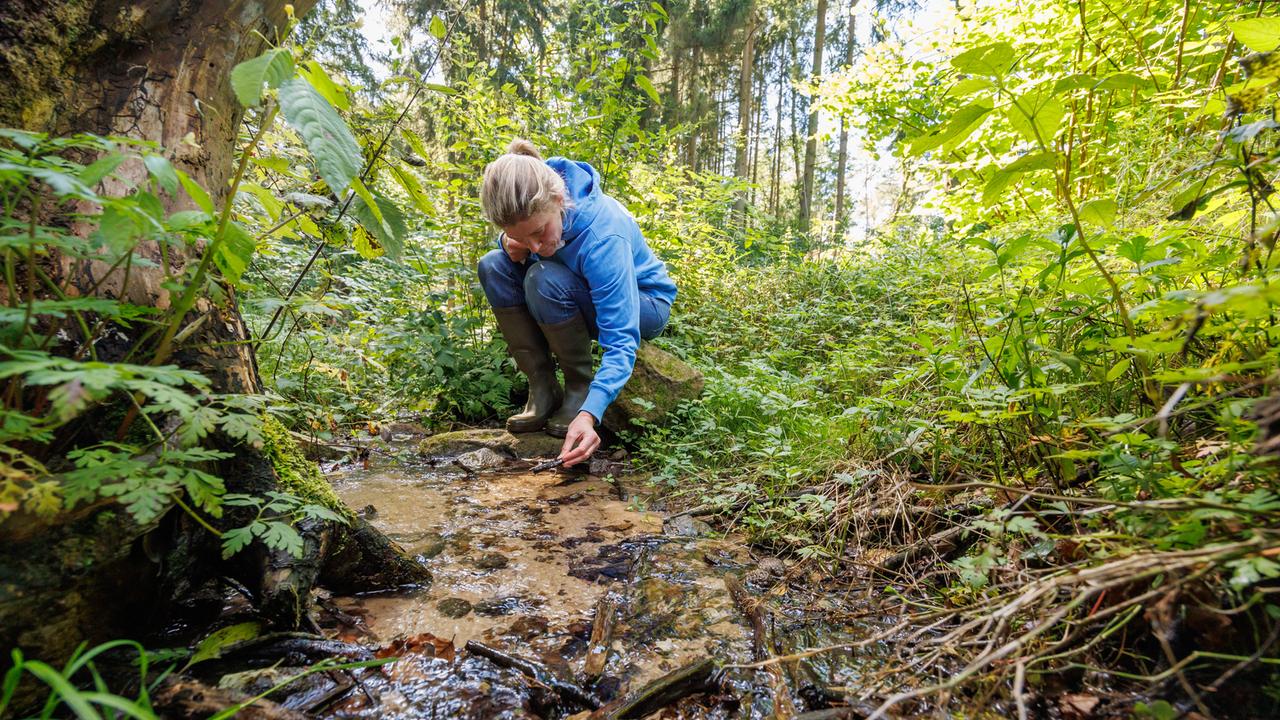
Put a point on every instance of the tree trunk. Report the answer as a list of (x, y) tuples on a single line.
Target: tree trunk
[(775, 190), (742, 143), (156, 70), (844, 129), (811, 130)]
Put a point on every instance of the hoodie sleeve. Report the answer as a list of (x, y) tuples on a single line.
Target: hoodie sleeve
[(611, 275)]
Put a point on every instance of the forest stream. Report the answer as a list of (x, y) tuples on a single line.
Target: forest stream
[(525, 563)]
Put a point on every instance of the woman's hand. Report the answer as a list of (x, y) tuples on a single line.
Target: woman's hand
[(581, 440), (516, 250)]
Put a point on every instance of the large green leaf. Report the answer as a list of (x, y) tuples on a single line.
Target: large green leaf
[(326, 135), (647, 86), (1036, 115), (386, 224), (993, 60), (958, 127), (1099, 212), (1258, 34), (272, 67), (234, 252), (320, 80)]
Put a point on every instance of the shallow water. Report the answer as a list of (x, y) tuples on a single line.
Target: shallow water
[(520, 562)]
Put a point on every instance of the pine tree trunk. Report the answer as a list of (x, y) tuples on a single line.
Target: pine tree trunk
[(811, 129), (850, 43), (742, 147)]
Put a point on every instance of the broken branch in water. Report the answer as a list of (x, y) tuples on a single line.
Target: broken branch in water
[(688, 680), (568, 691), (750, 609), (601, 637)]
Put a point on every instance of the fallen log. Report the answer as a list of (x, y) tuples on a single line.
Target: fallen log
[(567, 691), (689, 680), (601, 638)]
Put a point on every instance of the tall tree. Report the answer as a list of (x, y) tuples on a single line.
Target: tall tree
[(811, 129), (851, 42), (742, 143)]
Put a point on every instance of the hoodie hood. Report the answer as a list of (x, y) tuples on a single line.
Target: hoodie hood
[(582, 182)]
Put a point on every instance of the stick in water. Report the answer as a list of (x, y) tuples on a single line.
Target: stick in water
[(548, 465)]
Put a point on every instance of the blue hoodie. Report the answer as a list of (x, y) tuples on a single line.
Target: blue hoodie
[(603, 246)]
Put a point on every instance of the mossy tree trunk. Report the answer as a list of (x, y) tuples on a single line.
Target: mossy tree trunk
[(156, 70)]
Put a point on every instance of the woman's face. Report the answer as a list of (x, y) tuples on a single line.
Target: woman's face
[(540, 233)]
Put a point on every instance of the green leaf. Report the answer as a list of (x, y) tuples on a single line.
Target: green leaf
[(992, 60), (968, 86), (282, 536), (212, 646), (386, 222), (1033, 162), (996, 186), (117, 229), (272, 67), (445, 89), (958, 127), (197, 193), (328, 138), (1036, 115), (102, 167), (234, 252), (647, 86), (1099, 212), (315, 74), (437, 28), (1119, 369), (162, 171), (1258, 34)]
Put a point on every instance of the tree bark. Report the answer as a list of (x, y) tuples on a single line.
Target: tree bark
[(850, 43), (156, 70), (811, 129), (742, 143)]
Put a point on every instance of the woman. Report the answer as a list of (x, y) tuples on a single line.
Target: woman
[(571, 265)]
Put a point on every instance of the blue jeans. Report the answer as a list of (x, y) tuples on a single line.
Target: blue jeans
[(555, 294)]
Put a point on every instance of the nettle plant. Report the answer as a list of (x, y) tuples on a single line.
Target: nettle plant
[(90, 408)]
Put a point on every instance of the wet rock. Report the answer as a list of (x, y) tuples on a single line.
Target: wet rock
[(302, 693), (492, 561), (611, 561), (686, 526), (482, 459), (454, 607), (496, 607), (432, 547), (524, 445), (368, 512), (659, 383)]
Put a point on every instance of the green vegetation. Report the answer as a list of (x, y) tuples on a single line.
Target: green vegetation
[(1025, 385)]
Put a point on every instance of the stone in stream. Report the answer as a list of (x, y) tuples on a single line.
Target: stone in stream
[(686, 526), (454, 607), (524, 445), (491, 561), (659, 382), (482, 459)]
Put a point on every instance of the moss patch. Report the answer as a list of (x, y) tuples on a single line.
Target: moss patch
[(296, 474)]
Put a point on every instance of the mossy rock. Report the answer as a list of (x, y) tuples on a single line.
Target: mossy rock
[(659, 383), (524, 445)]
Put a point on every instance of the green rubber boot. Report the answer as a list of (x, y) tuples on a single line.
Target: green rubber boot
[(571, 342), (529, 349)]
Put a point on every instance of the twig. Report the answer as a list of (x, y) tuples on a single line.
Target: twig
[(567, 691)]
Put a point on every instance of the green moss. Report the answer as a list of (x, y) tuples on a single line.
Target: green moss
[(296, 474)]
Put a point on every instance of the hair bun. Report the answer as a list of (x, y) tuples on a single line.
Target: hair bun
[(520, 146)]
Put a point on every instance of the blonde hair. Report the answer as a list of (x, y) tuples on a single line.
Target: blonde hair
[(519, 185)]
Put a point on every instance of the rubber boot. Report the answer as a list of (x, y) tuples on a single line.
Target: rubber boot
[(529, 349), (571, 342)]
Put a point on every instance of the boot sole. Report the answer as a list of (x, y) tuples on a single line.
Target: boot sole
[(526, 427)]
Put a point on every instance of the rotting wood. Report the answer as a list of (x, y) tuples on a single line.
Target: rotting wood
[(601, 637), (568, 692), (942, 543), (688, 680)]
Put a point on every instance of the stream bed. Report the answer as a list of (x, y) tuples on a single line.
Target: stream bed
[(523, 563)]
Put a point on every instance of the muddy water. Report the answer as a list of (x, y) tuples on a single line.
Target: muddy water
[(520, 562)]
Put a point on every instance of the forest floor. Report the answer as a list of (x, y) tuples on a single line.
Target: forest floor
[(526, 564)]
